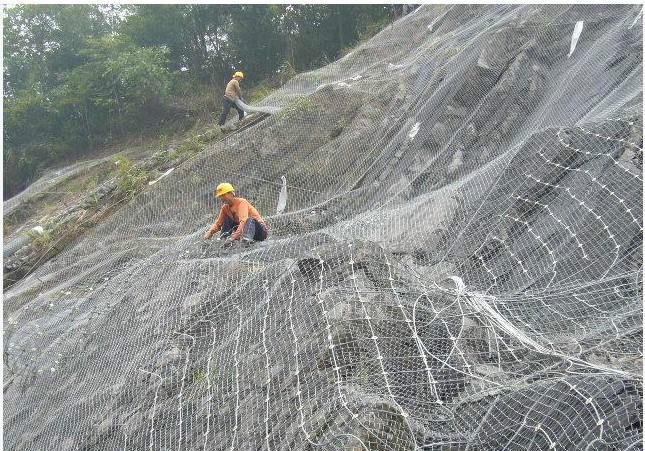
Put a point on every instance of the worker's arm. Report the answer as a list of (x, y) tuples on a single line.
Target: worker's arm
[(238, 90), (243, 216), (217, 226)]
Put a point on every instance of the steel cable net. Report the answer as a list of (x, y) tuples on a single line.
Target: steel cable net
[(458, 266)]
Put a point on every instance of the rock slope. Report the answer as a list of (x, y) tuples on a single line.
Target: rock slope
[(458, 265)]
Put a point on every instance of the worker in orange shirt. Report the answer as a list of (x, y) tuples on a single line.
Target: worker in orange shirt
[(238, 219)]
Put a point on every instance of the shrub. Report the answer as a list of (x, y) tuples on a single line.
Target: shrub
[(189, 147), (130, 178), (41, 240), (257, 93)]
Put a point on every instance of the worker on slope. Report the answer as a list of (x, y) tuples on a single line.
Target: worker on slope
[(231, 94), (238, 219)]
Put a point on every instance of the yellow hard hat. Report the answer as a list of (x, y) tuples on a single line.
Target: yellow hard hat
[(224, 188), (239, 74)]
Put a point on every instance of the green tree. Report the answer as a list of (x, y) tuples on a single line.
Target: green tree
[(42, 42), (118, 90), (120, 85), (195, 35), (256, 41)]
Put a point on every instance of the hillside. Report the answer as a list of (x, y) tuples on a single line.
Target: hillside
[(458, 267)]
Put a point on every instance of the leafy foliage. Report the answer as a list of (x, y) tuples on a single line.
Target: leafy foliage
[(130, 178), (41, 240)]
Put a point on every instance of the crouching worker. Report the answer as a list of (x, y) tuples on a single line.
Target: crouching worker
[(238, 219)]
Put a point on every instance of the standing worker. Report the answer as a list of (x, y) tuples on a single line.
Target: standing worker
[(231, 94), (237, 218)]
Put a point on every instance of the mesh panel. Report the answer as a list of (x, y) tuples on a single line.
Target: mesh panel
[(458, 264)]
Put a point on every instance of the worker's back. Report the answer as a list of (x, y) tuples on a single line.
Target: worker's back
[(232, 90)]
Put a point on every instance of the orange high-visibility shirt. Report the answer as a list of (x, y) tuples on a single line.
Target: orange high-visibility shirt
[(239, 211)]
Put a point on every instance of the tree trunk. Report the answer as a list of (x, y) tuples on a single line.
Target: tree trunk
[(87, 126)]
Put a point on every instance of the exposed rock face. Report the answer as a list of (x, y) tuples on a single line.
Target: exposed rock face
[(458, 265)]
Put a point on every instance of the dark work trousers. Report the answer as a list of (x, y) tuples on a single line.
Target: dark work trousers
[(227, 105), (253, 230)]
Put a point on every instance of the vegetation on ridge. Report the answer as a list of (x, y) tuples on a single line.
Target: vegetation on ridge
[(78, 77)]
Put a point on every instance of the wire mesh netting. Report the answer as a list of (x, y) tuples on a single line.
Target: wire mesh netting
[(456, 265)]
